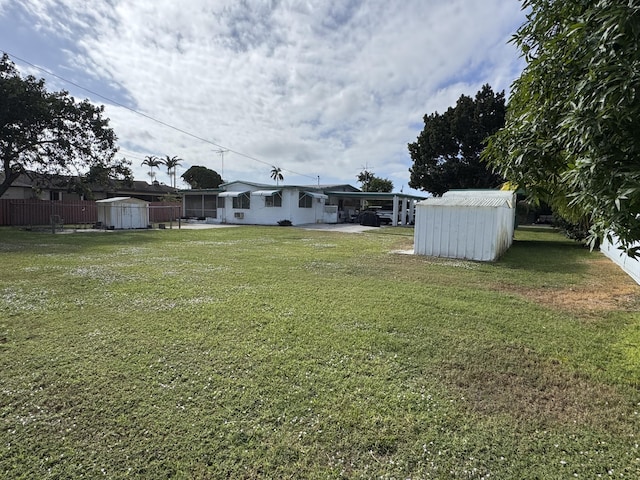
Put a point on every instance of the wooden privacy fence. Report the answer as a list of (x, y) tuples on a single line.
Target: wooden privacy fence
[(41, 212)]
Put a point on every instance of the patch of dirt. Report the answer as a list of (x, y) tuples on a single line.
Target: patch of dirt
[(518, 382), (607, 289)]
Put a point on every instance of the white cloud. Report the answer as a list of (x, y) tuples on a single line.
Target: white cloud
[(318, 88)]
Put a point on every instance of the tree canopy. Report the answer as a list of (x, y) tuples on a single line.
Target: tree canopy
[(371, 183), (50, 132), (172, 164), (447, 152), (202, 177), (152, 162), (572, 135)]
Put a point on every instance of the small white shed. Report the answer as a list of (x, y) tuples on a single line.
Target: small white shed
[(123, 213), (465, 224)]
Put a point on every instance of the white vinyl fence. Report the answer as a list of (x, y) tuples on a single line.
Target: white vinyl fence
[(629, 265)]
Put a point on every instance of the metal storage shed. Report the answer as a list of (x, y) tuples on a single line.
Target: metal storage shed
[(465, 225), (509, 195), (123, 213)]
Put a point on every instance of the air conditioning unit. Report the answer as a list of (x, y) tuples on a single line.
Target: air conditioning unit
[(238, 215)]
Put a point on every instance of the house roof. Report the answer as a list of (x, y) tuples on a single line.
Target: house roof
[(374, 195), (63, 182), (322, 187), (199, 191), (143, 187)]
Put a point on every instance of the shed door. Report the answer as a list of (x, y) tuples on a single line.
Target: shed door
[(127, 217)]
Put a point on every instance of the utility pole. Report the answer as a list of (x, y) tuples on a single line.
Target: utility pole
[(221, 152)]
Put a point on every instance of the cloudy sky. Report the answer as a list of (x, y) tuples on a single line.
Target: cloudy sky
[(316, 87)]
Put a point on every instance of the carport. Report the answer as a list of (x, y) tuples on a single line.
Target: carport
[(403, 204)]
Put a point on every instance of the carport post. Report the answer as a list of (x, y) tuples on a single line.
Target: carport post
[(394, 221), (403, 215), (412, 211)]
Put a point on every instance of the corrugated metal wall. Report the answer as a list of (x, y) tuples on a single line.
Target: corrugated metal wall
[(464, 227)]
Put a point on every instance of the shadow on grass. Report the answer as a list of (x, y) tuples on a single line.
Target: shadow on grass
[(545, 252)]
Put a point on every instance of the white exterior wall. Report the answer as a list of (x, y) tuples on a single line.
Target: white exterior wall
[(460, 229), (630, 265), (123, 214), (259, 214)]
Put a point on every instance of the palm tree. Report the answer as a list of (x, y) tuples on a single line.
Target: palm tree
[(172, 164), (276, 174), (152, 162)]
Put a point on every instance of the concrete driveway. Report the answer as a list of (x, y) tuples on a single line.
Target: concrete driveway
[(338, 227)]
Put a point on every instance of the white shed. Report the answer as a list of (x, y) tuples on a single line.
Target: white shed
[(123, 213), (467, 225)]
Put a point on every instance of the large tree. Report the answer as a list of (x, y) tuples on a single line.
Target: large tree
[(50, 132), (572, 135), (447, 152), (152, 162), (371, 183), (172, 167), (202, 177)]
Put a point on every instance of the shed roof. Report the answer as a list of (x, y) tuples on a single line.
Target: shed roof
[(463, 201), (121, 200)]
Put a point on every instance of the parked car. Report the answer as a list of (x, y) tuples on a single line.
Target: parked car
[(385, 216)]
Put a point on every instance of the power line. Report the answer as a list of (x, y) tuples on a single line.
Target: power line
[(149, 117)]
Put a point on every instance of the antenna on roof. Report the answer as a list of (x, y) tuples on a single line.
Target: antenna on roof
[(221, 152)]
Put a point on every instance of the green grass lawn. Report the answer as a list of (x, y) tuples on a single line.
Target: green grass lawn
[(269, 352)]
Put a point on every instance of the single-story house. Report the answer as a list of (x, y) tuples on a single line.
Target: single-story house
[(242, 202), (32, 185)]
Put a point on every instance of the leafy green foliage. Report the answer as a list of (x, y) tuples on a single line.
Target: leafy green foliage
[(152, 162), (172, 164), (51, 133), (371, 183), (446, 154), (572, 136), (202, 177)]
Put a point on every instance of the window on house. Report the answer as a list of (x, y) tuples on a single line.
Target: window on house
[(242, 201), (274, 200), (221, 201), (57, 196), (305, 200)]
